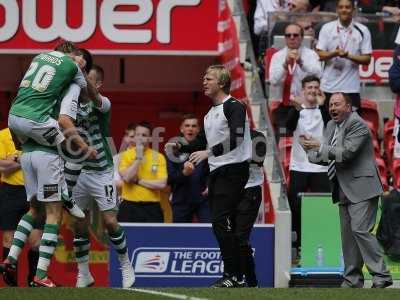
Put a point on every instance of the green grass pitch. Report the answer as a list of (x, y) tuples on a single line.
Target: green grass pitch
[(197, 294)]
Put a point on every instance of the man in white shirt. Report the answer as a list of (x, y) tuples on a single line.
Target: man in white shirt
[(264, 7), (343, 45), (306, 119), (288, 67)]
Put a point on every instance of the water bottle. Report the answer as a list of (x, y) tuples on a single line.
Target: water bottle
[(341, 261), (319, 256)]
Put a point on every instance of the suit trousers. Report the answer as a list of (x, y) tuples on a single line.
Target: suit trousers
[(359, 245)]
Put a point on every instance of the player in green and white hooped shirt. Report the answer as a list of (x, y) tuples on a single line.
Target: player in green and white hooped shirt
[(95, 182), (29, 119)]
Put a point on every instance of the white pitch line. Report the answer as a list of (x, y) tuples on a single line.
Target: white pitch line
[(169, 295)]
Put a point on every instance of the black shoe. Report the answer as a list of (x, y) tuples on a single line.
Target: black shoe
[(9, 272), (382, 284), (228, 282), (253, 284)]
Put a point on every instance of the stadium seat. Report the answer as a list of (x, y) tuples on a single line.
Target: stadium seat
[(388, 131), (372, 128), (273, 105), (285, 147), (285, 142), (382, 172), (285, 165), (377, 148), (388, 127), (396, 173), (389, 151), (369, 112)]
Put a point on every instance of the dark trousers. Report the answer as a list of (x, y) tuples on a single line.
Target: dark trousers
[(302, 182), (183, 212), (140, 212), (279, 117), (247, 212), (225, 191)]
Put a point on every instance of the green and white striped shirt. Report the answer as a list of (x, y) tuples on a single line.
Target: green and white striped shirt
[(93, 125)]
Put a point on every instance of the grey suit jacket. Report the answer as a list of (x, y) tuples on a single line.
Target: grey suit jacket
[(356, 170)]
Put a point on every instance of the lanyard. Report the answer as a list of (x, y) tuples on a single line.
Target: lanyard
[(291, 68), (347, 35)]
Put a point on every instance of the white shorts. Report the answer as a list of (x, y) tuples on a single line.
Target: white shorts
[(99, 187), (47, 133), (44, 176)]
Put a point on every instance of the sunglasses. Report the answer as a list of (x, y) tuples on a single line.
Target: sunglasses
[(290, 35)]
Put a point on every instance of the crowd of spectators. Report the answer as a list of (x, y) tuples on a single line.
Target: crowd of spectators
[(268, 18), (318, 54)]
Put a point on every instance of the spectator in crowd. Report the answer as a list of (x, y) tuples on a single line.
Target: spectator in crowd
[(144, 174), (128, 140), (343, 45), (249, 206), (369, 6), (298, 6), (326, 5), (226, 143), (307, 25), (391, 6), (188, 182), (394, 82), (263, 8), (264, 14), (305, 118), (348, 151), (288, 67), (13, 206)]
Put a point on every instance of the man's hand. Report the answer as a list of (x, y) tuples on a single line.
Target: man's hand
[(342, 53), (309, 143), (172, 147), (292, 55), (296, 102), (13, 157), (139, 151), (321, 97), (80, 61), (198, 156), (91, 152), (188, 168)]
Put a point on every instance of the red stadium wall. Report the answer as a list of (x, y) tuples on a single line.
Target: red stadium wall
[(159, 108)]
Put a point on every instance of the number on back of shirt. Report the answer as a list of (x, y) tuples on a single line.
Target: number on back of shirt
[(38, 78)]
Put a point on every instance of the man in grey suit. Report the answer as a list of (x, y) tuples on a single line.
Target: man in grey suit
[(348, 151)]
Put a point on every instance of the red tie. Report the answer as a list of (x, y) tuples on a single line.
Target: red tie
[(288, 83)]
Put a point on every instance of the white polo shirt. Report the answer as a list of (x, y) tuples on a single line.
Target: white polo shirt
[(342, 74)]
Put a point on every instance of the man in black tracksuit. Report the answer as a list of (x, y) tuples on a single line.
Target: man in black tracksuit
[(226, 138)]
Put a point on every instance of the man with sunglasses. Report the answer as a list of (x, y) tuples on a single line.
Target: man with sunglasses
[(344, 45), (288, 67)]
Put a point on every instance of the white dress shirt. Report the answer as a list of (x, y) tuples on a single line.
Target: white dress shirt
[(277, 73)]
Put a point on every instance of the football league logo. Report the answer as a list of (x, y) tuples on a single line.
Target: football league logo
[(152, 262)]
